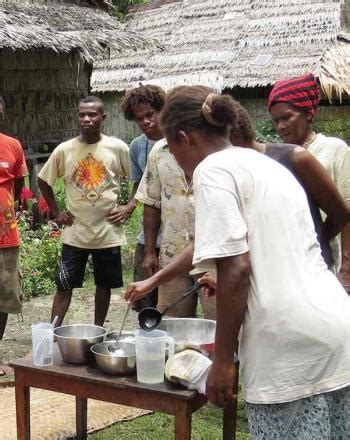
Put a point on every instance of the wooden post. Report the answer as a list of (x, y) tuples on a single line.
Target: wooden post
[(81, 417), (22, 408)]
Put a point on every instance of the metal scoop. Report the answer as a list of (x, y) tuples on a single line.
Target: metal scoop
[(150, 317), (112, 348)]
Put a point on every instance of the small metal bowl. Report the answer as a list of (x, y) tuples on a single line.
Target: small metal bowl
[(113, 363), (74, 341), (129, 336)]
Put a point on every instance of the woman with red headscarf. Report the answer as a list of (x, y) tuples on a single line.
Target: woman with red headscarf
[(293, 103)]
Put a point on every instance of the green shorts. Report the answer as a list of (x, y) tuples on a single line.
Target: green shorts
[(10, 285)]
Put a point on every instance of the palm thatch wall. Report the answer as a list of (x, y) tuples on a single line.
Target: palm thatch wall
[(230, 43), (46, 57), (115, 123), (41, 90)]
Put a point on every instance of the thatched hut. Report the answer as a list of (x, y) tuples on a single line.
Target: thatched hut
[(239, 45), (47, 49)]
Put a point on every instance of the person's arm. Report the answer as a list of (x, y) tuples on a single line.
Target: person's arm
[(20, 171), (342, 180), (151, 225), (231, 303), (121, 213), (323, 190), (62, 218), (19, 184), (180, 265), (149, 193), (344, 273)]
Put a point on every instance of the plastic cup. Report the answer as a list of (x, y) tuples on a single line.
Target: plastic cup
[(42, 337), (151, 348)]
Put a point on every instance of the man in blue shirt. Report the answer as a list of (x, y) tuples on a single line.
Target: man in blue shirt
[(142, 105)]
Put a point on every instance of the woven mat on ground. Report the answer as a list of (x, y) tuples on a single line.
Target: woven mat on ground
[(52, 415)]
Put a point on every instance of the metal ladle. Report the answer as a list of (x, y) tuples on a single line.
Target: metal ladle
[(112, 348), (150, 317)]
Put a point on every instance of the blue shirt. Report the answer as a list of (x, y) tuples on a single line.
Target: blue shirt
[(140, 148), (139, 151)]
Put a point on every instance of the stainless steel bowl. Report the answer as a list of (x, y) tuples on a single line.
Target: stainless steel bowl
[(113, 363), (195, 333), (74, 341), (129, 336)]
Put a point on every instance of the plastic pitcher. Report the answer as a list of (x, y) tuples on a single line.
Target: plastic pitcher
[(42, 336), (151, 348)]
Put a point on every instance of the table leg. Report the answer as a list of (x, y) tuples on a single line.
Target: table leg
[(230, 413), (81, 417), (183, 423), (22, 409), (229, 421)]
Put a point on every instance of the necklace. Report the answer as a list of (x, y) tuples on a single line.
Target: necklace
[(309, 140)]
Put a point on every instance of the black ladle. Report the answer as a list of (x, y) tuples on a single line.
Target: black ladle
[(150, 317)]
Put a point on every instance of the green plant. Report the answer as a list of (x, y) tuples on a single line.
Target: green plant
[(60, 194), (122, 7), (40, 252), (339, 127), (265, 132)]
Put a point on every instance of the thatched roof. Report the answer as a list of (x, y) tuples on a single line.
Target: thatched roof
[(65, 28), (228, 43)]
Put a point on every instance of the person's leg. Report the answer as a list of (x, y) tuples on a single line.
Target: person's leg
[(301, 419), (102, 301), (173, 290), (10, 291), (3, 321), (107, 268), (60, 305), (339, 403), (151, 299), (71, 274)]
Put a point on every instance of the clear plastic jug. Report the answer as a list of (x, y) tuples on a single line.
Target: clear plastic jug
[(42, 336), (151, 348)]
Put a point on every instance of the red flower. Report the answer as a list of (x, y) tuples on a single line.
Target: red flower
[(54, 234), (43, 207), (26, 194)]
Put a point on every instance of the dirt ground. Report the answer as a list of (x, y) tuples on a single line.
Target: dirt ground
[(17, 339)]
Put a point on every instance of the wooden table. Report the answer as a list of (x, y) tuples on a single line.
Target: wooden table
[(87, 382)]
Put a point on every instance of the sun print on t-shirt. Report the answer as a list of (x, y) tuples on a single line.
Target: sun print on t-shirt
[(90, 176)]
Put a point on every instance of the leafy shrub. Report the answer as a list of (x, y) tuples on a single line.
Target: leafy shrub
[(40, 253), (265, 132)]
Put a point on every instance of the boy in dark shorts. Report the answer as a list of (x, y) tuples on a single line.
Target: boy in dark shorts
[(91, 166)]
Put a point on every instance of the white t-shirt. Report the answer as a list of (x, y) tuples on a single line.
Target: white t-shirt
[(295, 338)]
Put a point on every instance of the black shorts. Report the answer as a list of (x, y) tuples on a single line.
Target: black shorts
[(107, 267)]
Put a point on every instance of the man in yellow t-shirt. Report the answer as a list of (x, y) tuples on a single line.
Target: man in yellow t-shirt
[(91, 166)]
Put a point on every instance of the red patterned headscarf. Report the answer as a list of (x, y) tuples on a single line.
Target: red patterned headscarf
[(302, 92)]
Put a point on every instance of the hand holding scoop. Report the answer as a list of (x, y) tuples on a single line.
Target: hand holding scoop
[(150, 317)]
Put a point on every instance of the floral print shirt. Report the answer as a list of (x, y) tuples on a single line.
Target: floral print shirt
[(164, 186)]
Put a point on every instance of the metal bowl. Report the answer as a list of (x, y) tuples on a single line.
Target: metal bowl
[(113, 363), (125, 335), (74, 341), (197, 334)]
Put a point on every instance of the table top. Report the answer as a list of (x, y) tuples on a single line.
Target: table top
[(90, 373)]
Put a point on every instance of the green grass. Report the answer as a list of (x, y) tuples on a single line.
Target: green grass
[(206, 424)]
